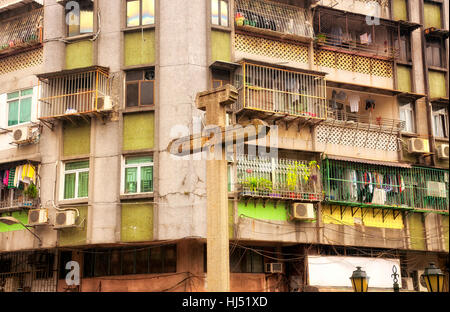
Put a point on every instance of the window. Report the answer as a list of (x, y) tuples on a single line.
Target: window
[(434, 53), (219, 12), (220, 78), (125, 261), (140, 86), (404, 47), (140, 12), (407, 115), (440, 122), (138, 174), (246, 261), (19, 107), (76, 180), (80, 17)]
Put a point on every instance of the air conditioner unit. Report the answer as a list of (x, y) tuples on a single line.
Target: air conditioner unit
[(416, 145), (302, 211), (104, 103), (436, 189), (21, 135), (274, 267), (38, 217), (442, 151), (65, 219), (421, 281)]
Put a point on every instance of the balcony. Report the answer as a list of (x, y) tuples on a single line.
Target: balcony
[(75, 93), (21, 33), (280, 93), (349, 33), (273, 19), (18, 204), (278, 178), (379, 186)]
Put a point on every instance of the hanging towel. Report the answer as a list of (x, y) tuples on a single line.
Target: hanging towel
[(354, 103), (11, 176), (6, 177)]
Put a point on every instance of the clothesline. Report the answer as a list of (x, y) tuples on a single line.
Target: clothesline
[(11, 178)]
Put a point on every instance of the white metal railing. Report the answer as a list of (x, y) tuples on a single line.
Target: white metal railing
[(21, 31), (278, 178), (281, 91), (274, 16)]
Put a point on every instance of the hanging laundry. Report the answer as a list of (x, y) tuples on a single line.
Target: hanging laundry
[(5, 177), (379, 197), (11, 176), (336, 33), (1, 179), (29, 174), (370, 104), (354, 103), (364, 38)]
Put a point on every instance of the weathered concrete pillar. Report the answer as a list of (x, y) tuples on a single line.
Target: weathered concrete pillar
[(218, 261)]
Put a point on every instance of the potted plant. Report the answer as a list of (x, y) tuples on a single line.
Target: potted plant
[(321, 38)]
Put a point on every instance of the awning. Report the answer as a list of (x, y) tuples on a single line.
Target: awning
[(409, 96), (440, 101), (362, 88), (224, 65), (435, 32), (31, 158), (72, 71), (408, 26), (369, 161), (14, 4)]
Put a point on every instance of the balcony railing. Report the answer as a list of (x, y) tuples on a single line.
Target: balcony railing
[(21, 32), (379, 186), (365, 121), (274, 90), (274, 18), (278, 178), (18, 204), (74, 93)]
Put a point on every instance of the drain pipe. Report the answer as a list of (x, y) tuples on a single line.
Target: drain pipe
[(427, 88)]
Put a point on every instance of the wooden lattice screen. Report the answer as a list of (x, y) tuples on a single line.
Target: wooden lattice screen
[(21, 61)]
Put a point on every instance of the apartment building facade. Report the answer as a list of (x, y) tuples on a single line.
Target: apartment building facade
[(93, 92)]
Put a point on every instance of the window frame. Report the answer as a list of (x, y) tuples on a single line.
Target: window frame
[(440, 112), (409, 107), (219, 2), (20, 98), (77, 174), (140, 14), (139, 83), (138, 175), (435, 43), (68, 35), (404, 37)]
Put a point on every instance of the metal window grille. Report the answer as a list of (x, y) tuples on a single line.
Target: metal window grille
[(21, 31), (28, 272), (73, 93), (381, 186), (273, 16), (275, 90), (278, 178)]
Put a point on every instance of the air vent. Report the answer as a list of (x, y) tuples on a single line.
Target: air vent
[(274, 268)]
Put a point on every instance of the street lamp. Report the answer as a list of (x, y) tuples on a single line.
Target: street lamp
[(359, 280), (12, 220), (434, 278)]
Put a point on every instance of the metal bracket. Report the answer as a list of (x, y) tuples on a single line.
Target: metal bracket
[(354, 211)]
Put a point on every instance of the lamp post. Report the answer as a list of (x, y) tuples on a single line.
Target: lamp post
[(359, 280), (434, 278), (12, 220), (394, 275)]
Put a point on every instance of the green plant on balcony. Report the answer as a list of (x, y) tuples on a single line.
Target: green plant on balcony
[(321, 38), (31, 191)]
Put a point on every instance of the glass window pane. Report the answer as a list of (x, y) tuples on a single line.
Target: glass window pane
[(26, 92), (69, 186), (138, 160), (215, 12), (134, 75), (142, 257), (131, 180), (146, 179), (115, 262), (86, 22), (224, 13), (132, 94), (156, 260), (147, 90), (257, 263), (77, 165), (133, 13), (170, 259), (13, 95), (83, 184), (101, 263), (128, 258), (25, 110), (148, 12), (13, 113)]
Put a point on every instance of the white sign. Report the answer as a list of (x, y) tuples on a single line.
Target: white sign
[(336, 271)]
